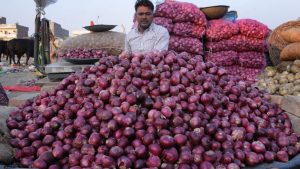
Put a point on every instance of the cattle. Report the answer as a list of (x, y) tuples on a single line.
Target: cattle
[(3, 49), (20, 47)]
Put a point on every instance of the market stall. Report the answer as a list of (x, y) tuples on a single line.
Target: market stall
[(170, 109)]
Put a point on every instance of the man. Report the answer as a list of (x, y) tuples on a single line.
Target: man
[(145, 35)]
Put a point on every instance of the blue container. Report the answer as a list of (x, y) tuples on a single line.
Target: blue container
[(230, 16)]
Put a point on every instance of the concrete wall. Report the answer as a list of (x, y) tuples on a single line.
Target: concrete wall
[(58, 31), (22, 31), (11, 31)]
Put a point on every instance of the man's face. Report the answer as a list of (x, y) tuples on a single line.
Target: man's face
[(144, 16)]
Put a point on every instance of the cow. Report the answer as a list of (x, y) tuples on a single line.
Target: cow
[(20, 47), (3, 49)]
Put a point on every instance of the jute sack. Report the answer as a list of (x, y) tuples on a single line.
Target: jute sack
[(112, 42), (291, 35), (291, 52), (6, 154)]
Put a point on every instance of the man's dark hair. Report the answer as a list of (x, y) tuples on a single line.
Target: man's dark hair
[(146, 3)]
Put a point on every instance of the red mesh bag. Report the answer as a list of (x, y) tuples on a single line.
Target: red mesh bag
[(165, 22), (252, 60), (239, 43), (181, 12), (184, 44), (221, 29), (188, 29), (225, 58), (253, 28)]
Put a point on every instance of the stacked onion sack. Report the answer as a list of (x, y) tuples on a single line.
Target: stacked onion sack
[(239, 47), (185, 23), (163, 110)]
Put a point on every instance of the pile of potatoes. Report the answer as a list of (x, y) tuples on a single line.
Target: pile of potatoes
[(281, 83)]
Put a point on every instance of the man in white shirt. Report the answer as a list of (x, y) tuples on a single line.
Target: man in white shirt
[(146, 36)]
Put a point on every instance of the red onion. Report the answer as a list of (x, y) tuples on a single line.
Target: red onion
[(81, 53), (170, 155), (153, 161)]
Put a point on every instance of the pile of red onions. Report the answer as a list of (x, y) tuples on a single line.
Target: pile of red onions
[(252, 60), (82, 53), (186, 29), (155, 110), (219, 29), (186, 44), (253, 28), (165, 22), (225, 58)]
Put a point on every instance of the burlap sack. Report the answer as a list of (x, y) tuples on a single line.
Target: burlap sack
[(291, 52), (112, 42), (4, 114), (291, 35), (6, 154)]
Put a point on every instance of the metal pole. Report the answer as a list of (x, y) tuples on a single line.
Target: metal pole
[(36, 40)]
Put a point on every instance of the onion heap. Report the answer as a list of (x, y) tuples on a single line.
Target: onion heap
[(242, 43), (163, 110), (185, 23), (81, 53)]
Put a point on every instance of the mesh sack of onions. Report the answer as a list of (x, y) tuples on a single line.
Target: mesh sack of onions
[(181, 12), (253, 28), (188, 29), (238, 43), (81, 53), (252, 60), (165, 22), (250, 74), (225, 58), (158, 110), (232, 70), (219, 29), (243, 73), (186, 44)]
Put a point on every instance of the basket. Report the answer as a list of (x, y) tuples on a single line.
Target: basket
[(276, 43)]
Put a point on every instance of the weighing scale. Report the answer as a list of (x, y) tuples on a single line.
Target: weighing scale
[(60, 70)]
